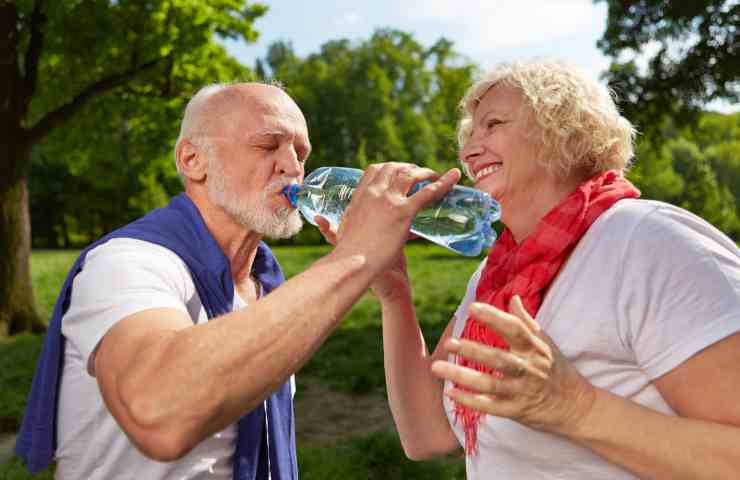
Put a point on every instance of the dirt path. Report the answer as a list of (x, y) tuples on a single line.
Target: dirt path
[(324, 416), (7, 446)]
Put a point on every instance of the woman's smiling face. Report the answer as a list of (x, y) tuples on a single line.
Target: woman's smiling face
[(501, 156)]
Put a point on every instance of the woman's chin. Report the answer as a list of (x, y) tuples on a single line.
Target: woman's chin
[(490, 186)]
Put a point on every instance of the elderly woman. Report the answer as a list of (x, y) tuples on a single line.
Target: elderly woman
[(599, 339)]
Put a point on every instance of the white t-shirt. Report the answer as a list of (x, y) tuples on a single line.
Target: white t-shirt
[(119, 278), (648, 286)]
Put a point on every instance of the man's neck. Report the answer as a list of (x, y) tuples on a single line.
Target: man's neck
[(238, 243)]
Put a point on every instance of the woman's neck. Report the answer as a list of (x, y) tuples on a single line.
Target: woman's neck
[(522, 214)]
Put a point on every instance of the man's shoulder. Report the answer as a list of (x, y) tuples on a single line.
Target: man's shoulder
[(129, 258), (131, 249)]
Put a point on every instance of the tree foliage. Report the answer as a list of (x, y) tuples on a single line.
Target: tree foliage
[(95, 90), (90, 97), (696, 59), (387, 98), (696, 168)]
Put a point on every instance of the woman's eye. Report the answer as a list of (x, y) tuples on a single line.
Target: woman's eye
[(492, 123)]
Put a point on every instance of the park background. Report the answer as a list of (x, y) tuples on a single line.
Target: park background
[(92, 91)]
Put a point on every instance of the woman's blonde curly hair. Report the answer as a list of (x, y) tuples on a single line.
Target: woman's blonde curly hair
[(575, 118)]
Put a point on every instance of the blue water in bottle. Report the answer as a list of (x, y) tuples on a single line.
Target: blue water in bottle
[(461, 221)]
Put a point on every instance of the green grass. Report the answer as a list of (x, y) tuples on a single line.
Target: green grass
[(48, 270), (350, 361), (15, 470), (17, 364), (374, 457)]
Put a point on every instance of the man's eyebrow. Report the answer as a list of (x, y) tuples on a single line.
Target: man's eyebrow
[(266, 133)]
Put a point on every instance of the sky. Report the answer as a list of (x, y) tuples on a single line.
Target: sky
[(485, 31)]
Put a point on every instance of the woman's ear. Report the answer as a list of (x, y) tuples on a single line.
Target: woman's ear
[(192, 160)]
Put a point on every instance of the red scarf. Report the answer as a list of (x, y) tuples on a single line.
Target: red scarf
[(528, 269)]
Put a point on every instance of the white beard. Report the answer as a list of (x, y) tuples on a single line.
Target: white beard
[(252, 212)]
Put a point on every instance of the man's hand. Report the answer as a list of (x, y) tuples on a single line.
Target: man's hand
[(377, 221), (393, 281)]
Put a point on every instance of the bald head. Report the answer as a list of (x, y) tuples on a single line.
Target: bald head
[(214, 102), (212, 108)]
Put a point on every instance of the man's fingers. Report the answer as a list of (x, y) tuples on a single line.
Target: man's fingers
[(407, 177), (435, 190)]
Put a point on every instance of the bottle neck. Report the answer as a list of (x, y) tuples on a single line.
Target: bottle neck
[(291, 193)]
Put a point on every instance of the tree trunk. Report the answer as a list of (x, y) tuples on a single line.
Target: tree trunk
[(17, 305)]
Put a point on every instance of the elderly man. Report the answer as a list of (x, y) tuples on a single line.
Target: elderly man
[(170, 358)]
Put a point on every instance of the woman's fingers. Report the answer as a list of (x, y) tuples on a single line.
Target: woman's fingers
[(517, 308), (471, 379), (516, 330), (502, 361), (329, 233), (510, 326)]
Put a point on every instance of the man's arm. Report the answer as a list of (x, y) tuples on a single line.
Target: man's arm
[(170, 384)]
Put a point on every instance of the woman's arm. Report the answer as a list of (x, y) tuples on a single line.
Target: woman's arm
[(550, 395), (414, 393), (703, 442)]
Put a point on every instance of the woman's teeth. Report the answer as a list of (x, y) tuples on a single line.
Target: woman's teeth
[(487, 171)]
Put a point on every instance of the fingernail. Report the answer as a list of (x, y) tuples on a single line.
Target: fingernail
[(476, 308), (453, 344)]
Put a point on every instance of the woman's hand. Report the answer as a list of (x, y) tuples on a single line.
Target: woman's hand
[(389, 283), (539, 387)]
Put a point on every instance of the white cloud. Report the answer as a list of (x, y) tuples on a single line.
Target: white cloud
[(348, 19), (506, 23)]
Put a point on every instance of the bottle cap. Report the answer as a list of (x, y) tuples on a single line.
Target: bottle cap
[(291, 193)]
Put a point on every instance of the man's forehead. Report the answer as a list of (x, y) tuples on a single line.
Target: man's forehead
[(275, 123), (269, 114)]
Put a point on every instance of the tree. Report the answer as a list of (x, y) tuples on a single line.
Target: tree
[(62, 61), (387, 98), (697, 57), (702, 194)]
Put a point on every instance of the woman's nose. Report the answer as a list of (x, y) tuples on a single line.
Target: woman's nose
[(470, 152)]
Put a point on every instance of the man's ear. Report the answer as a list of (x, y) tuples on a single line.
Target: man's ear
[(192, 160)]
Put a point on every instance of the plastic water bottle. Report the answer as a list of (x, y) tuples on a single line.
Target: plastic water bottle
[(461, 221)]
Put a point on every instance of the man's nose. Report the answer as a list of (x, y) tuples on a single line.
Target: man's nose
[(289, 165)]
